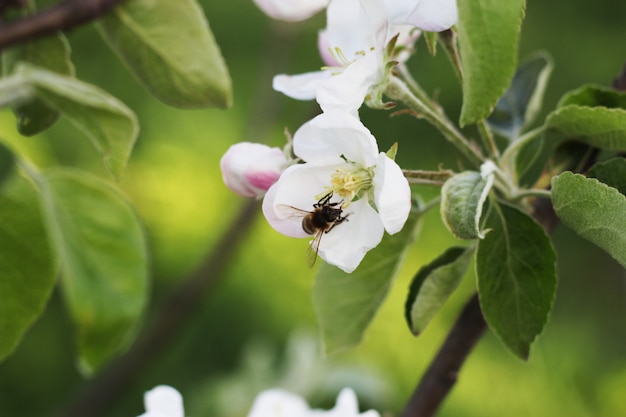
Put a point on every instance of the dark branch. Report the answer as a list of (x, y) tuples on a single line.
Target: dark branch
[(64, 16), (442, 373), (103, 391)]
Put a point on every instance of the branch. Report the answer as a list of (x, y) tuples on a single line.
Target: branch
[(64, 16), (101, 393), (442, 373)]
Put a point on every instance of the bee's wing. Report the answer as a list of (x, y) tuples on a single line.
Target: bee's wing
[(292, 212), (311, 252)]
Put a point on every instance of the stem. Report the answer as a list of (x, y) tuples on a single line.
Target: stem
[(416, 89), (488, 140), (398, 90), (533, 192), (443, 371), (427, 177), (63, 16)]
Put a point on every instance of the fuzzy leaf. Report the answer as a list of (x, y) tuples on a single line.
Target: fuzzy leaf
[(51, 53), (611, 173), (593, 210), (594, 95), (110, 125), (488, 42), (462, 200), (170, 48), (345, 304), (102, 252), (433, 284), (516, 273), (521, 102)]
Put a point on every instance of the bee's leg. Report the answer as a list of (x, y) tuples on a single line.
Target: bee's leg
[(324, 200), (338, 220)]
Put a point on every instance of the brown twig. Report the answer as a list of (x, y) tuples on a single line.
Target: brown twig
[(442, 373), (65, 15)]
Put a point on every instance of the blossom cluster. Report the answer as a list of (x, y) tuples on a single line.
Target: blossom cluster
[(332, 182), (165, 401)]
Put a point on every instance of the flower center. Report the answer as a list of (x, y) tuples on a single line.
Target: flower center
[(350, 183)]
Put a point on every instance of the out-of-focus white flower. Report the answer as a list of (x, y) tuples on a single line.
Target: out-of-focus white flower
[(163, 401), (343, 169), (291, 10), (354, 46), (280, 403), (249, 169)]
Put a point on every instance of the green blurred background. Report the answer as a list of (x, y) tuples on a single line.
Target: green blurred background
[(257, 328)]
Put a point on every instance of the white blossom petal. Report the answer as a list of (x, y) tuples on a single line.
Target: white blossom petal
[(279, 403), (300, 86), (291, 10), (346, 244), (434, 15), (335, 134), (163, 401), (392, 194), (353, 28)]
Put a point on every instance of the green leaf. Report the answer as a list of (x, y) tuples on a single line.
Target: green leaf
[(51, 53), (433, 284), (110, 125), (7, 164), (27, 266), (488, 42), (431, 42), (599, 127), (345, 304), (612, 173), (521, 102), (462, 200), (593, 210), (169, 47), (102, 250), (516, 273), (594, 95)]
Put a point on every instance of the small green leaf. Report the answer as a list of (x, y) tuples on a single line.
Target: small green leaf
[(516, 273), (462, 200), (27, 266), (51, 53), (110, 125), (599, 127), (433, 284), (593, 210), (102, 251), (612, 173), (431, 42), (7, 164), (594, 95), (521, 102), (169, 47), (345, 304), (488, 42)]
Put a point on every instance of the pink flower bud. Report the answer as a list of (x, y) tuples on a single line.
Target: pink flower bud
[(249, 169)]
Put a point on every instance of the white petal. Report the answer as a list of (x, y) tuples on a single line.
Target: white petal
[(291, 10), (392, 194), (163, 401), (278, 403), (352, 28), (347, 90), (347, 243), (434, 15), (333, 134), (297, 188), (301, 86)]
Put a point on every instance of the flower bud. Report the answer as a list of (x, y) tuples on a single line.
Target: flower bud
[(249, 169), (291, 10)]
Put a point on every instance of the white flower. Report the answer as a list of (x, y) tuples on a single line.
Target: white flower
[(249, 169), (353, 45), (279, 403), (341, 157), (163, 401), (291, 10)]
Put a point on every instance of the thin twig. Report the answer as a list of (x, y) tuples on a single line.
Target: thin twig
[(65, 15), (442, 373)]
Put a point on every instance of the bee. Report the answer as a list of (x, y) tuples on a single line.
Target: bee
[(322, 219)]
